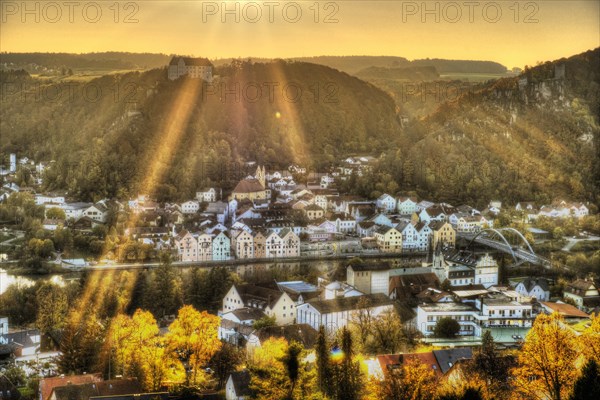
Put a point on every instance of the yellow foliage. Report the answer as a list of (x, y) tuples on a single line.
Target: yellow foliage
[(547, 361), (590, 339), (270, 353)]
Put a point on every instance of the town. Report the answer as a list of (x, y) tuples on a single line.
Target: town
[(404, 263)]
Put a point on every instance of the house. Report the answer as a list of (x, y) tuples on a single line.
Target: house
[(260, 244), (486, 271), (465, 314), (208, 195), (109, 389), (243, 245), (424, 236), (369, 278), (47, 385), (97, 212), (407, 286), (337, 313), (196, 68), (313, 212), (290, 243), (187, 246), (406, 205), (219, 210), (190, 207), (204, 243), (389, 240), (23, 342), (388, 363), (410, 236), (366, 228), (273, 245), (75, 210), (567, 311), (534, 287), (53, 224), (221, 247), (267, 298), (386, 203), (339, 289), (583, 292), (443, 233), (238, 386)]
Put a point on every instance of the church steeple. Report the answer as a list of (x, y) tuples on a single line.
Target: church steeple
[(439, 266), (261, 176)]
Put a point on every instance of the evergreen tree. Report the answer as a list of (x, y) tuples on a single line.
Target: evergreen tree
[(587, 386), (322, 356)]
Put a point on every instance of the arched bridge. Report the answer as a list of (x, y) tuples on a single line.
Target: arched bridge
[(509, 241)]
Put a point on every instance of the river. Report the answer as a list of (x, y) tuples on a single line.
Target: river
[(302, 268)]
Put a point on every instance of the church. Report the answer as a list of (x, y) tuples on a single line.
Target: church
[(252, 187)]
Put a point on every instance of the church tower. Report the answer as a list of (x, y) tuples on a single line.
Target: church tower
[(439, 266), (261, 176)]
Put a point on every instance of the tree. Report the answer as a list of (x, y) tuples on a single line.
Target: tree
[(415, 381), (193, 337), (55, 213), (322, 360), (268, 379), (587, 386), (590, 339), (493, 369), (167, 289), (388, 335), (346, 375), (264, 322), (52, 308), (225, 361), (446, 328), (546, 363), (291, 361)]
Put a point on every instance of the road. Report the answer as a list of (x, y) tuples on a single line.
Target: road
[(572, 242)]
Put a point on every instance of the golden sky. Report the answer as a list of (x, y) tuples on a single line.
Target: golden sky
[(514, 33)]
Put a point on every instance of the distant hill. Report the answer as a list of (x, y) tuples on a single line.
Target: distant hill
[(105, 60), (407, 73), (461, 66)]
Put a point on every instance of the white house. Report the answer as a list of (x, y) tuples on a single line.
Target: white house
[(534, 287), (407, 205), (336, 313), (190, 207), (369, 278), (208, 195), (97, 212), (386, 203), (410, 236)]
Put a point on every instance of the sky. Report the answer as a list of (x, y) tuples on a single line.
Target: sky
[(514, 33)]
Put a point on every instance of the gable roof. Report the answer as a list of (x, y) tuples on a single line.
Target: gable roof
[(241, 382), (48, 384), (530, 283), (84, 391), (565, 310), (195, 61), (390, 362), (248, 185), (447, 358)]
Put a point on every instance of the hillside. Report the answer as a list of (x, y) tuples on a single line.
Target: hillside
[(532, 137), (536, 136), (408, 73), (107, 147)]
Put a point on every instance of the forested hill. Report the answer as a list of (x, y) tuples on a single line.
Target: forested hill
[(106, 134), (534, 137)]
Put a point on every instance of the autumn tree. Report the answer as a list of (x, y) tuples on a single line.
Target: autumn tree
[(547, 362), (193, 337), (268, 379), (414, 380), (52, 308), (590, 339), (387, 333)]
